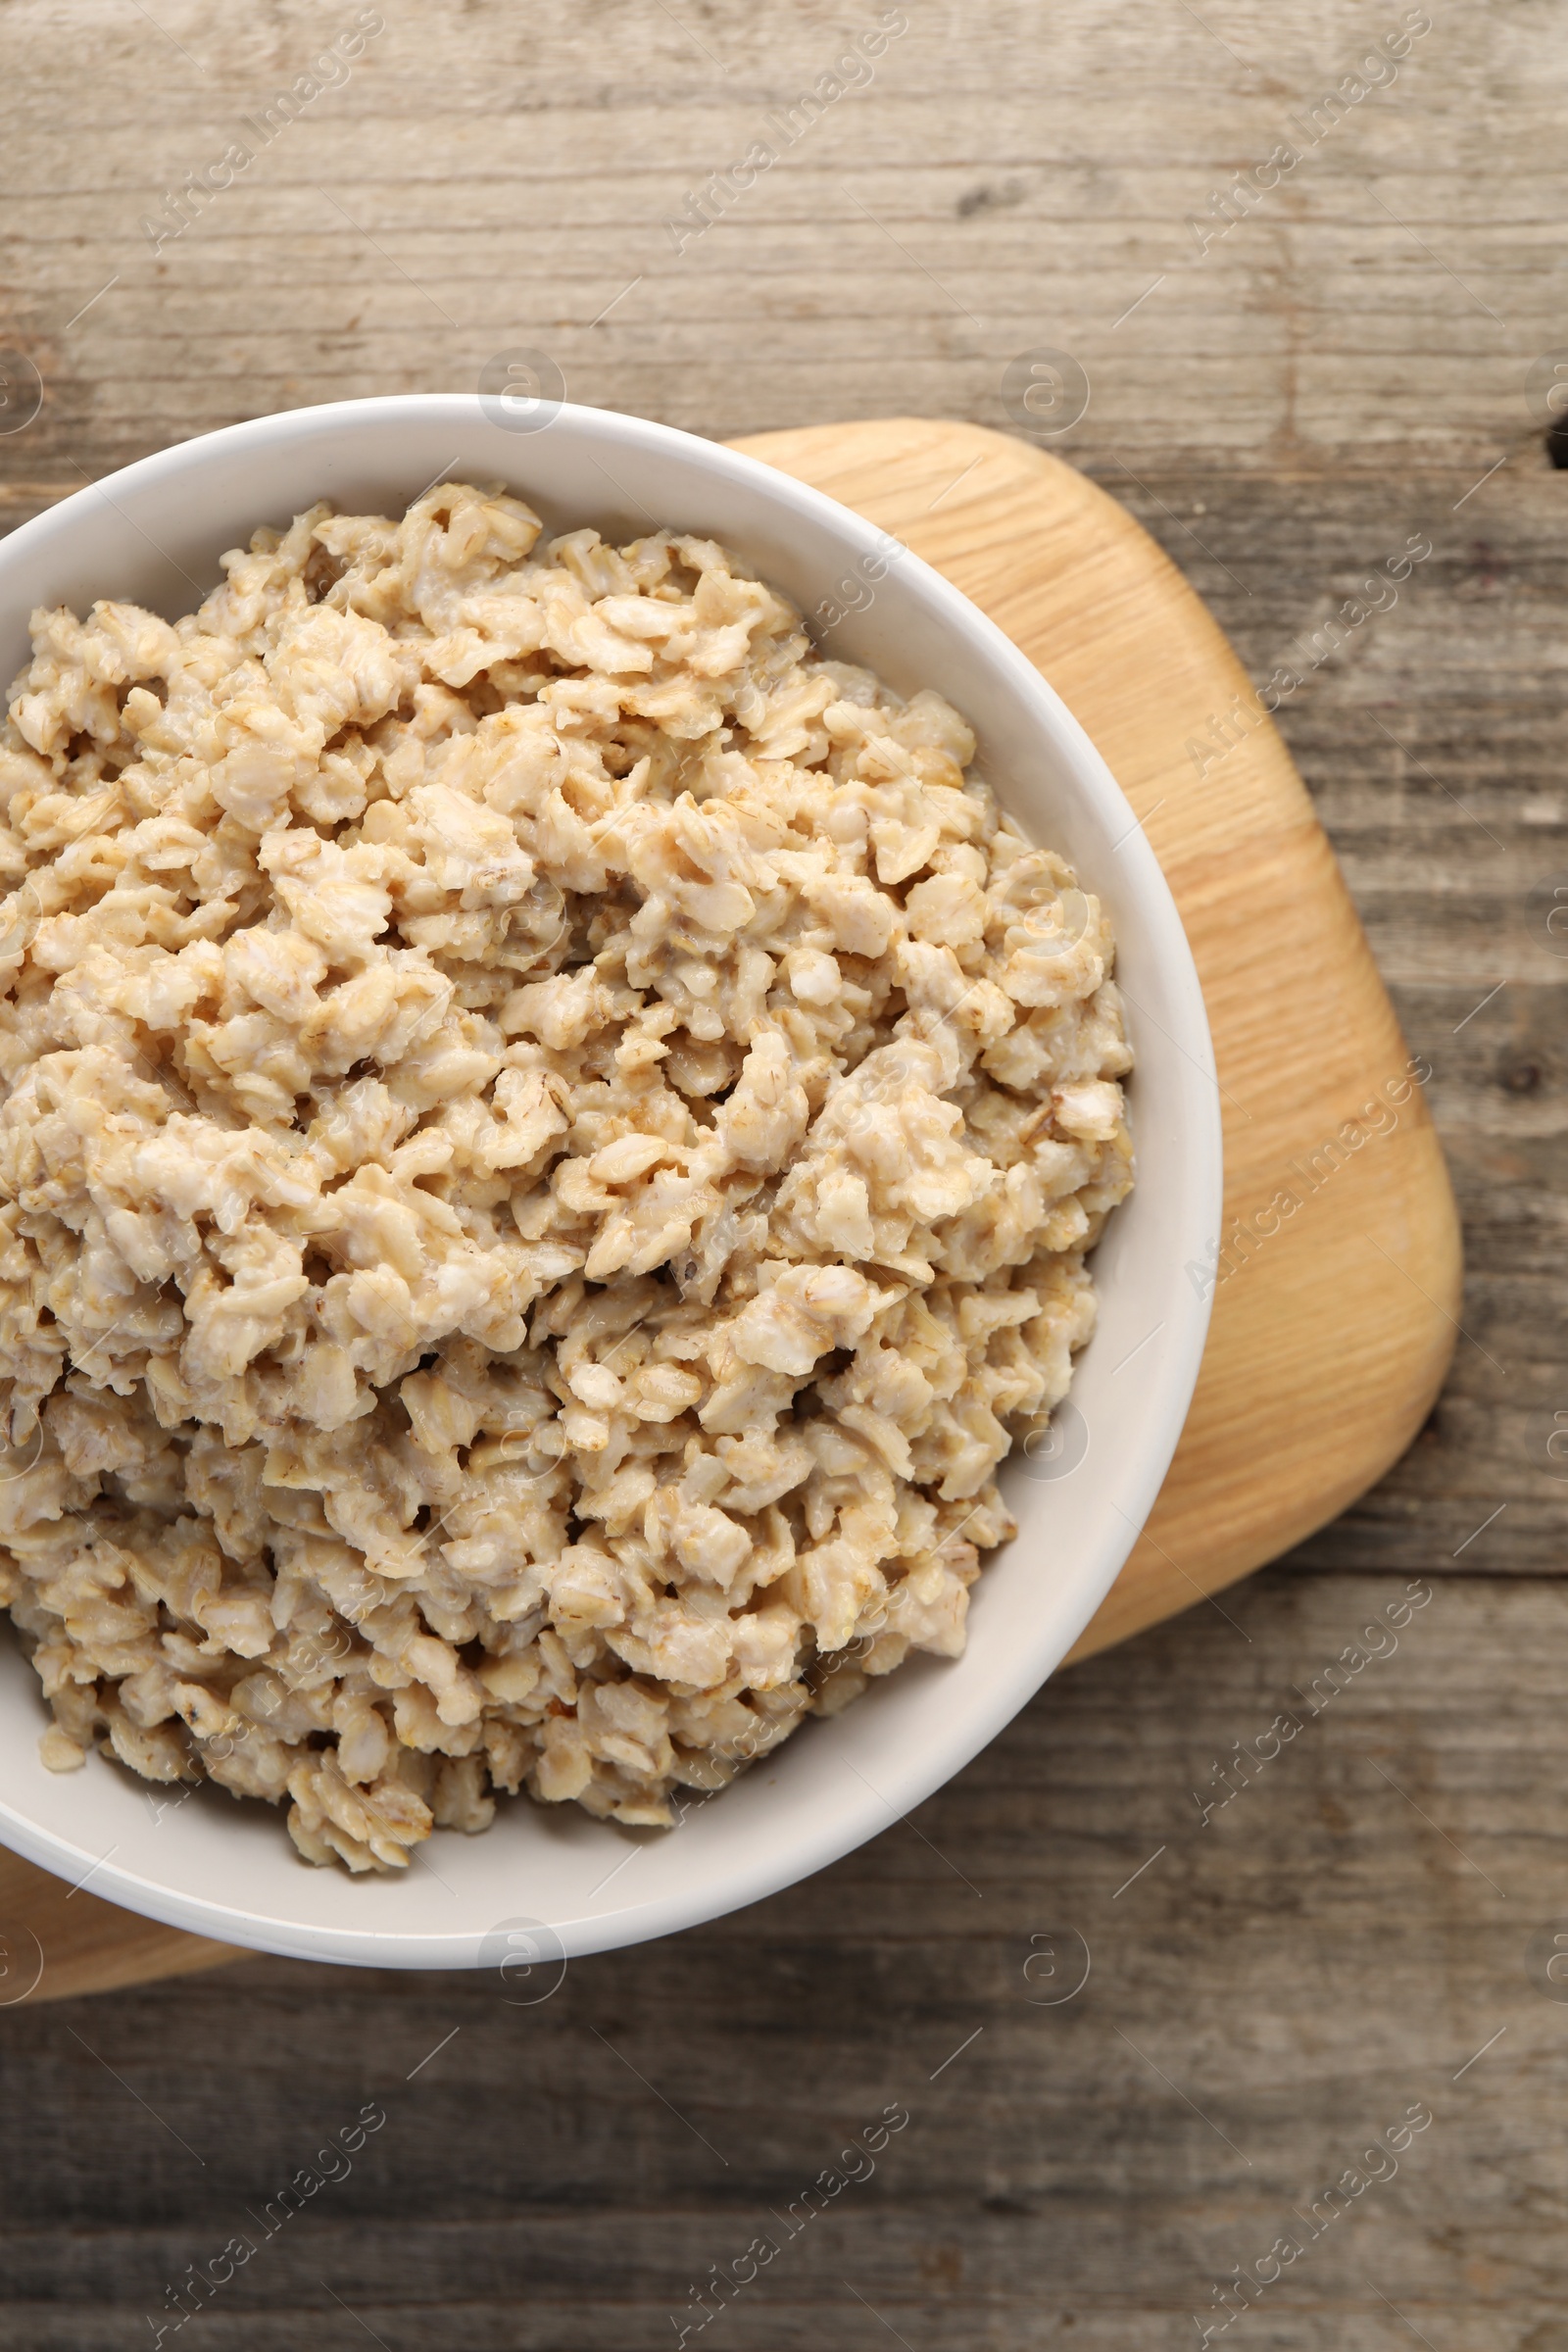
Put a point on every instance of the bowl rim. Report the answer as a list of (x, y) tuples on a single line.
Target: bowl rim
[(862, 1815)]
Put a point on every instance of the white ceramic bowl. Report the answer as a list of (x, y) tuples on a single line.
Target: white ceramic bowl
[(549, 1881)]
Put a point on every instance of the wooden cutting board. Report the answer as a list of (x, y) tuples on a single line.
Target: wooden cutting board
[(1332, 1329)]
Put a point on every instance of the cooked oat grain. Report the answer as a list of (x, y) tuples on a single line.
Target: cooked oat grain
[(546, 1132)]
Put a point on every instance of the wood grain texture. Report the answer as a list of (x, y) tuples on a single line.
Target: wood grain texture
[(1267, 1992), (58, 1941), (493, 177), (1432, 747), (1346, 366)]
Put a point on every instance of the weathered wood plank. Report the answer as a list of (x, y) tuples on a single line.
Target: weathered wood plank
[(1331, 1948), (486, 177)]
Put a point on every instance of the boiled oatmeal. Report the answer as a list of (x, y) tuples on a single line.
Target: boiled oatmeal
[(549, 1136)]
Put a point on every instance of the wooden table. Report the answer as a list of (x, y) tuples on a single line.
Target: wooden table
[(1359, 1929)]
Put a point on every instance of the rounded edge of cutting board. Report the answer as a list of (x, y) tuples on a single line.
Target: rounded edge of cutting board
[(57, 1940)]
